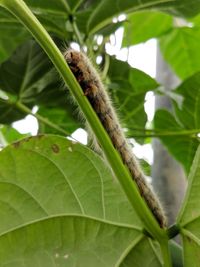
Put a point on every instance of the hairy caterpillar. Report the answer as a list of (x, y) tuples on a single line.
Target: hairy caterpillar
[(93, 89)]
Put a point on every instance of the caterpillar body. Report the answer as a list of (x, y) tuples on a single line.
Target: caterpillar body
[(94, 90)]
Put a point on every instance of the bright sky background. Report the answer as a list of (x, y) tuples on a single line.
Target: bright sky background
[(143, 57)]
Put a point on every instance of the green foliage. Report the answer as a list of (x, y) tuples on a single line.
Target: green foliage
[(181, 49), (142, 26), (189, 216), (54, 217), (61, 205), (185, 123), (181, 146), (12, 34), (128, 87)]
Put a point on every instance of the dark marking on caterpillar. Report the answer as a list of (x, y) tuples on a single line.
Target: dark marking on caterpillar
[(94, 90)]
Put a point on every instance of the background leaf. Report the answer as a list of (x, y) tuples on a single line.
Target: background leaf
[(28, 77), (142, 26), (182, 147), (189, 216), (188, 113), (181, 50), (106, 10), (12, 34), (21, 73), (10, 134), (128, 87)]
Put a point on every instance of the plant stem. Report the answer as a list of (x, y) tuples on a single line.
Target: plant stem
[(65, 4), (106, 66), (78, 3), (166, 254), (77, 33), (26, 110), (73, 23), (23, 13), (159, 133)]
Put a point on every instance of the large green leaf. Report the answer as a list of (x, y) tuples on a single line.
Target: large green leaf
[(65, 241), (61, 206), (189, 216), (182, 147), (142, 26), (129, 87), (106, 10), (181, 50)]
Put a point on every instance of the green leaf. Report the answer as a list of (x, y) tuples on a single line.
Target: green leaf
[(195, 20), (28, 77), (52, 14), (10, 134), (52, 6), (146, 167), (106, 10), (182, 147), (181, 50), (142, 26), (61, 205), (66, 241), (129, 87), (65, 118), (64, 183), (188, 112), (153, 259), (21, 73), (12, 34), (20, 79), (189, 216)]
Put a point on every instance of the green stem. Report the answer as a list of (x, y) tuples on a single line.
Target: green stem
[(67, 7), (166, 254), (78, 3), (73, 23), (23, 13), (161, 132), (106, 67), (161, 135), (77, 33), (26, 110)]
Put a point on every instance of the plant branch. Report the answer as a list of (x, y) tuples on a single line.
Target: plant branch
[(160, 132), (166, 254), (23, 13), (106, 66), (67, 7), (78, 3), (77, 33), (26, 110)]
